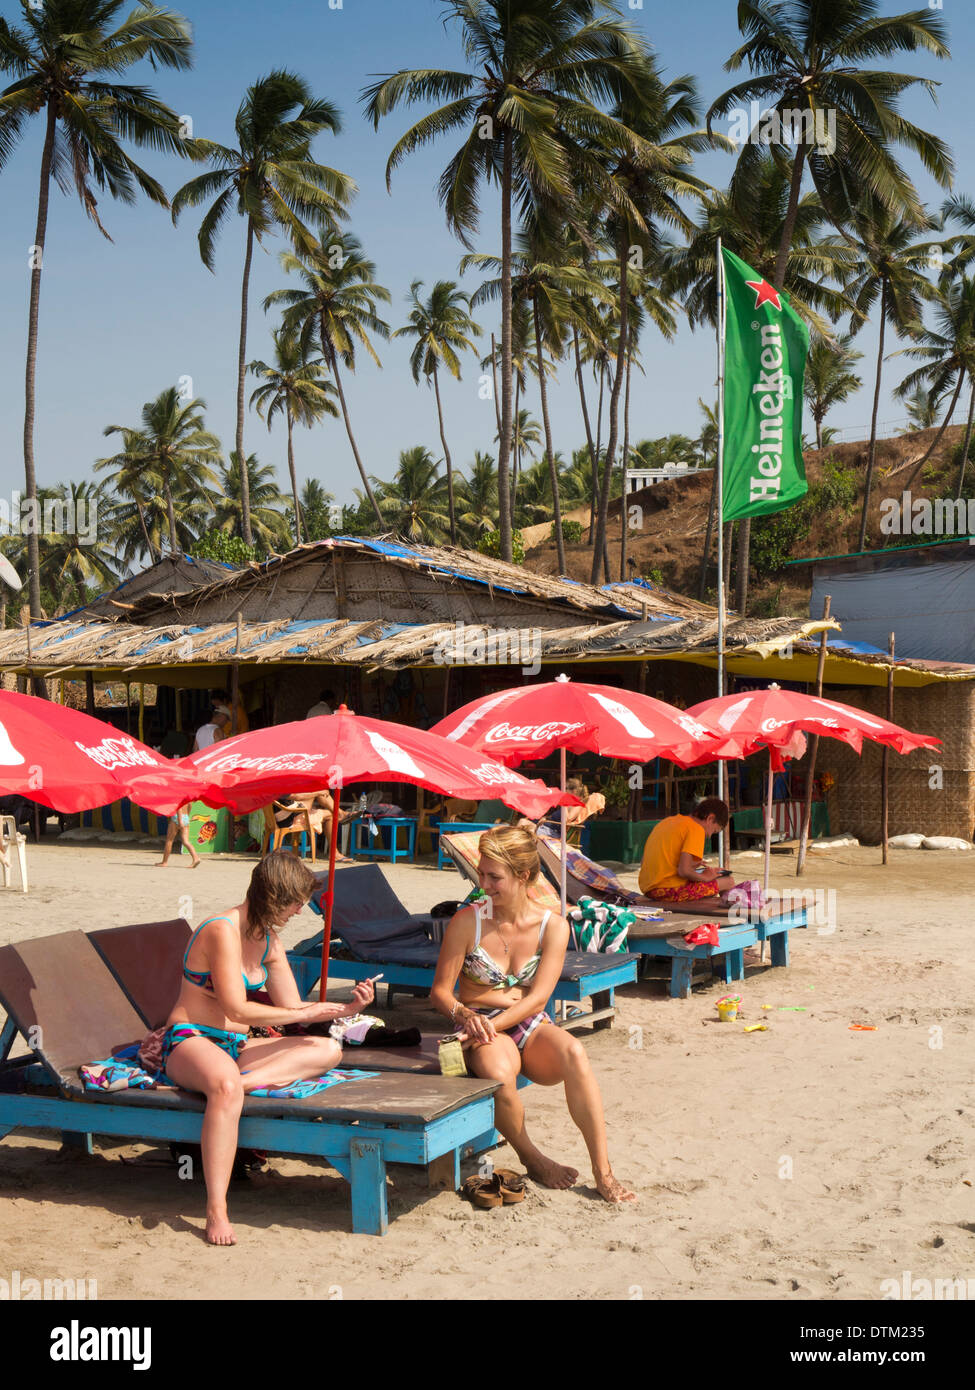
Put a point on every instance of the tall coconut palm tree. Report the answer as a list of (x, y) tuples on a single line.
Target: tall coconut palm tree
[(74, 556), (271, 180), (134, 482), (441, 326), (316, 510), (830, 379), (923, 410), (527, 109), (415, 503), (478, 499), (181, 452), (295, 387), (806, 59), (338, 302), (948, 354), (63, 58), (269, 523), (893, 264)]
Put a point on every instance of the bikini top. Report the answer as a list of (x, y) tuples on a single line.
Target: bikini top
[(203, 979), (481, 969)]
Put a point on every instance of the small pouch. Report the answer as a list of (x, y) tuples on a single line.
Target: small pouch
[(451, 1055)]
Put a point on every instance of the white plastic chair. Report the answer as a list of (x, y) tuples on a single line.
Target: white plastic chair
[(9, 836)]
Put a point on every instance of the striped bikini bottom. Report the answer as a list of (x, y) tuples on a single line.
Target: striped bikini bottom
[(231, 1043), (522, 1031)]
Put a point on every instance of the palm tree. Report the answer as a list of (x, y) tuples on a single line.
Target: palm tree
[(948, 356), (316, 510), (808, 58), (923, 410), (136, 484), (267, 504), (415, 502), (180, 452), (338, 302), (893, 263), (478, 498), (829, 379), (441, 327), (273, 182), (73, 556), (294, 386), (527, 110), (63, 60)]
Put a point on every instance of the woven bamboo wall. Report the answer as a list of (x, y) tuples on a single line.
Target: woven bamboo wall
[(931, 791)]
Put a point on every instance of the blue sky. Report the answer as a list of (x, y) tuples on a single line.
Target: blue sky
[(120, 321)]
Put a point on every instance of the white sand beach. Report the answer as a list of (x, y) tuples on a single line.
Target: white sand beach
[(805, 1162)]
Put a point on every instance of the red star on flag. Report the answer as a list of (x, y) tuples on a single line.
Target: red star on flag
[(764, 294)]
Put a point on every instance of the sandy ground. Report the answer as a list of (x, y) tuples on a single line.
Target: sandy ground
[(805, 1162)]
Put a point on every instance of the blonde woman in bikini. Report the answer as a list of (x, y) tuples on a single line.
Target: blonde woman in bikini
[(504, 962)]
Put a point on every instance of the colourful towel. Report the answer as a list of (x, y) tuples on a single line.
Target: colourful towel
[(122, 1072), (599, 927)]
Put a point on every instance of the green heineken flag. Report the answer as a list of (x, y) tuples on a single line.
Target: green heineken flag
[(765, 358)]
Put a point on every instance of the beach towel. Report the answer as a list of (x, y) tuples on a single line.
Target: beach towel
[(598, 926), (122, 1072)]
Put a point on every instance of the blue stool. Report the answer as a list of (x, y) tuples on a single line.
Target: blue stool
[(447, 827), (376, 846)]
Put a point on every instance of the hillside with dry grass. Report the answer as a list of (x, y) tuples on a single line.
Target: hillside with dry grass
[(675, 514)]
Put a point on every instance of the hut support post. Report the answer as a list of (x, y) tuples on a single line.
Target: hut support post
[(885, 765), (235, 681), (142, 712), (89, 693), (813, 751)]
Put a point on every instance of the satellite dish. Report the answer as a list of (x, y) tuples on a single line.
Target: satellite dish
[(8, 575)]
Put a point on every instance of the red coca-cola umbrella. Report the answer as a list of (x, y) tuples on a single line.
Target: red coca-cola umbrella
[(530, 721), (71, 762), (776, 719), (338, 749)]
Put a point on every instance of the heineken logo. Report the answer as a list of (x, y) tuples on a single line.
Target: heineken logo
[(765, 294), (772, 388)]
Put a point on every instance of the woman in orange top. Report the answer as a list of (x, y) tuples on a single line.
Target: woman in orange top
[(673, 868)]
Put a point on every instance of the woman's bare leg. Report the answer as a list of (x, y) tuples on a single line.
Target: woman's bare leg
[(501, 1061), (199, 1065), (551, 1056), (184, 839), (168, 847), (281, 1061)]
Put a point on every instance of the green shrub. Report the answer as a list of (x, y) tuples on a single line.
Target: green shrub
[(490, 544), (571, 531), (836, 491), (656, 576), (220, 545)]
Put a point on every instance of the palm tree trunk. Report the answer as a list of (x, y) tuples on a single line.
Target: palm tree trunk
[(446, 455), (504, 443), (937, 438), (624, 521), (789, 226), (729, 536), (332, 358), (516, 447), (245, 497), (549, 452), (145, 531), (967, 442), (494, 374), (819, 433), (872, 451), (170, 512), (291, 470), (741, 577), (30, 474), (595, 460), (599, 558), (706, 553)]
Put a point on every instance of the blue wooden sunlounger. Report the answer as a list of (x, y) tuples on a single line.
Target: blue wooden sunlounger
[(372, 933), (665, 939), (60, 997)]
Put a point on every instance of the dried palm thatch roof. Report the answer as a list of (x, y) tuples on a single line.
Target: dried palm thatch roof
[(169, 575)]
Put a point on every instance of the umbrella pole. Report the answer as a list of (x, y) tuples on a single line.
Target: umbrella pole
[(813, 751), (562, 837), (885, 766), (768, 837), (329, 894)]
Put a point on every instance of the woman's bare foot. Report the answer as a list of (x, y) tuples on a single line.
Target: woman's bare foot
[(548, 1172), (196, 862), (220, 1231), (607, 1186)]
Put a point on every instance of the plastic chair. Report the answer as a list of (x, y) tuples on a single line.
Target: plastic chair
[(9, 836), (274, 834)]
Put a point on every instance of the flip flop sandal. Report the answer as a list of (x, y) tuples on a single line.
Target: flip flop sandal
[(483, 1192), (511, 1184)]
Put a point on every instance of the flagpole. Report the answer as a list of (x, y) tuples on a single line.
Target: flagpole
[(720, 516)]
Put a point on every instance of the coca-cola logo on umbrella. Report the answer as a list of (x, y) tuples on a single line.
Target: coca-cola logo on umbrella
[(531, 733), (9, 756), (117, 752)]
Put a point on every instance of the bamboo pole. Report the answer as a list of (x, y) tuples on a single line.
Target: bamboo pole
[(89, 693), (235, 682), (142, 712), (885, 765), (813, 751)]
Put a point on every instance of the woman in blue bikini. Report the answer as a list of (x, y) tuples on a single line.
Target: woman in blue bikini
[(504, 962), (205, 1047)]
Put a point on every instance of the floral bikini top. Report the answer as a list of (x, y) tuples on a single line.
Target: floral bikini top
[(481, 969)]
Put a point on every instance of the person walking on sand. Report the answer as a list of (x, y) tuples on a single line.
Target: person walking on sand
[(179, 825), (205, 1047), (504, 964)]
